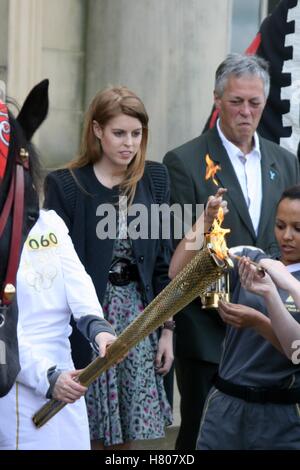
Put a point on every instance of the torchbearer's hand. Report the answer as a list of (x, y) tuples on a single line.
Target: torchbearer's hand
[(66, 388)]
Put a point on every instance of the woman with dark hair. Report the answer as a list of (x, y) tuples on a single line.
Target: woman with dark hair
[(281, 274), (254, 402), (94, 196)]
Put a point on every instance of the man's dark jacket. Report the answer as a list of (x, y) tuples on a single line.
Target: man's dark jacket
[(200, 332)]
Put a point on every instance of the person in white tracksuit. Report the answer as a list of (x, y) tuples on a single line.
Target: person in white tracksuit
[(51, 285)]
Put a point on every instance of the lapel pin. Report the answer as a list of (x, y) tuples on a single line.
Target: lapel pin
[(272, 174)]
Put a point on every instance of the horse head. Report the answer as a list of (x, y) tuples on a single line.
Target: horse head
[(19, 209), (21, 159)]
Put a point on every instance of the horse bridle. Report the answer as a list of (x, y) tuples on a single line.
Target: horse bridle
[(14, 204)]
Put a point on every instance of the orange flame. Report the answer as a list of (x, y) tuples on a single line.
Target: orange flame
[(211, 169), (216, 236), (220, 216)]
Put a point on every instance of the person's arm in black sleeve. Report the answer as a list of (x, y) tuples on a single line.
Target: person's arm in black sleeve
[(160, 275), (181, 184), (91, 325)]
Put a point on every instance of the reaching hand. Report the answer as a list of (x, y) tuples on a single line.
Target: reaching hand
[(279, 273), (252, 280)]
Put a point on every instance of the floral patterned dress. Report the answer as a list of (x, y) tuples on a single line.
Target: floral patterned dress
[(128, 402)]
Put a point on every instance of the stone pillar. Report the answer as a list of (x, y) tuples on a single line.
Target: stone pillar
[(3, 39), (24, 47), (164, 50), (63, 60), (47, 40)]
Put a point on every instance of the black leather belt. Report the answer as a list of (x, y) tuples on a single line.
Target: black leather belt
[(122, 272), (258, 394)]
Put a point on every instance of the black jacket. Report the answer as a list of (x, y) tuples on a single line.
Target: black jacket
[(72, 200), (69, 200)]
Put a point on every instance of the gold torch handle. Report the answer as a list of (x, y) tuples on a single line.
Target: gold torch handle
[(190, 283)]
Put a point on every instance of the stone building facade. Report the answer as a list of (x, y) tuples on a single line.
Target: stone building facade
[(165, 50)]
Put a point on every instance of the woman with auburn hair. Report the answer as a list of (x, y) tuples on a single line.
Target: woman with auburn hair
[(94, 195), (107, 105)]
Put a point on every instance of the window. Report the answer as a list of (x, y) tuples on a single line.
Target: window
[(272, 4), (246, 19)]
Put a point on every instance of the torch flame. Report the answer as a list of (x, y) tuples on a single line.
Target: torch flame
[(211, 169), (216, 236)]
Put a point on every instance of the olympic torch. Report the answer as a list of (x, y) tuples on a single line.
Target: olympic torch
[(206, 267)]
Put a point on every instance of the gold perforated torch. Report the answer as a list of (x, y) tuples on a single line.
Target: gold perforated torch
[(205, 268)]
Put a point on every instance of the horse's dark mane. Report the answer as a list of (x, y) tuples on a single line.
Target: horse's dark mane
[(22, 128)]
